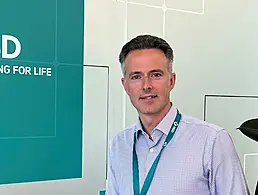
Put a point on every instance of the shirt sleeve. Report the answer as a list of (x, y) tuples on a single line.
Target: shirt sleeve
[(226, 174), (111, 188)]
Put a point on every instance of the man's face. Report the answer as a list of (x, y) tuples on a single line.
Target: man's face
[(147, 80)]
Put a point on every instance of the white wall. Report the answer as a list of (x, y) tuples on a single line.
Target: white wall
[(215, 44)]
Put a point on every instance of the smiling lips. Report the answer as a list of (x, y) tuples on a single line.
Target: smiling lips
[(148, 97)]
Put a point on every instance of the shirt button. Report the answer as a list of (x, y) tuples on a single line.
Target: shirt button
[(151, 150)]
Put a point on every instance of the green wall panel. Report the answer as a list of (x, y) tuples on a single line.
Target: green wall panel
[(41, 114)]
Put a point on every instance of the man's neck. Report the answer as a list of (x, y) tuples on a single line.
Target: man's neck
[(149, 122)]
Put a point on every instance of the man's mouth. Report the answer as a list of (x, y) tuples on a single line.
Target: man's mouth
[(148, 97)]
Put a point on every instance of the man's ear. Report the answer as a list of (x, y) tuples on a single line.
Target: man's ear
[(124, 84), (172, 80)]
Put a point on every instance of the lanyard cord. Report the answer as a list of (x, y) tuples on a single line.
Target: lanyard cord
[(147, 182)]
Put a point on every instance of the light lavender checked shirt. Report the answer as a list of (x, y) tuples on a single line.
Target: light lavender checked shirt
[(199, 160)]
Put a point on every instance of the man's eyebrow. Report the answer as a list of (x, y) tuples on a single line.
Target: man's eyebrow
[(157, 70), (135, 72), (138, 72)]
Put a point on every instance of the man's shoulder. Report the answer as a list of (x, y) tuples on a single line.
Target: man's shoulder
[(124, 137), (126, 131), (201, 125), (207, 133)]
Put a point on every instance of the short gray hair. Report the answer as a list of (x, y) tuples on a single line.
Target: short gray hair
[(146, 42)]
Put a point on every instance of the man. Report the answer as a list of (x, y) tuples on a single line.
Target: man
[(166, 152)]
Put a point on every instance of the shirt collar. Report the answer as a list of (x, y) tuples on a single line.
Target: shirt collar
[(163, 126)]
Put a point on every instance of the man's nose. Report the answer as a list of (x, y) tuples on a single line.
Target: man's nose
[(147, 85)]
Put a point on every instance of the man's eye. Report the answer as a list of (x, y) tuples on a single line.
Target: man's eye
[(156, 74), (135, 77)]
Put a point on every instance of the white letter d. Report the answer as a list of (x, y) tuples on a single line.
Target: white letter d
[(5, 39)]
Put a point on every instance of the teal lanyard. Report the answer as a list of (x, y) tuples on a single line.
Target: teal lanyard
[(147, 182)]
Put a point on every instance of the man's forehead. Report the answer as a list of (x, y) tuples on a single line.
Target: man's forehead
[(145, 54), (145, 65)]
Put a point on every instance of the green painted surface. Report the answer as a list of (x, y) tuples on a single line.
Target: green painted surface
[(41, 113), (102, 192)]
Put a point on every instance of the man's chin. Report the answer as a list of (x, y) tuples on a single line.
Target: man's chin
[(147, 111)]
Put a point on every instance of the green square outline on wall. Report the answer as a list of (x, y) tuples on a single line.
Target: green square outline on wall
[(42, 112)]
